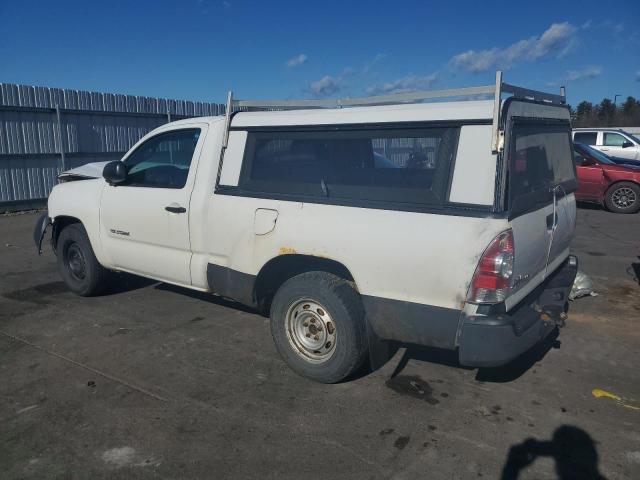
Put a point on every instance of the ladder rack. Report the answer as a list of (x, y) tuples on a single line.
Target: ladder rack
[(496, 91)]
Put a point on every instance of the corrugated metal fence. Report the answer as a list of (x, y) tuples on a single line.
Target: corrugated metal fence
[(46, 130)]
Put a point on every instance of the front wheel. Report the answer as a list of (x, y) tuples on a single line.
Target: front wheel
[(623, 197), (77, 263), (318, 326)]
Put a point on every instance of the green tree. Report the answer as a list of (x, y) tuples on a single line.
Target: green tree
[(584, 109), (630, 106), (606, 112)]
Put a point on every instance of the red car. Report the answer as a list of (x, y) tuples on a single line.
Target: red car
[(602, 180)]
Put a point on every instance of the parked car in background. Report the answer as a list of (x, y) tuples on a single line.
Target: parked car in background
[(624, 161), (613, 142), (602, 180)]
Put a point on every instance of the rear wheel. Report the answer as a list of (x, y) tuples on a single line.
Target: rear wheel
[(317, 323), (77, 263), (623, 197)]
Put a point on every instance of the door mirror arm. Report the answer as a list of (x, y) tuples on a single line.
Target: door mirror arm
[(115, 173)]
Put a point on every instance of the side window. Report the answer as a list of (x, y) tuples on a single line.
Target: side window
[(397, 165), (613, 139), (163, 161), (588, 138), (577, 158)]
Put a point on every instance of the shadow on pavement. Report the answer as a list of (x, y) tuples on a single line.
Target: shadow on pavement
[(589, 206), (634, 271), (572, 449), (428, 354), (206, 297), (125, 282)]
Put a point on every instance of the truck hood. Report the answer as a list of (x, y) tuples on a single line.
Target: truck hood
[(88, 170)]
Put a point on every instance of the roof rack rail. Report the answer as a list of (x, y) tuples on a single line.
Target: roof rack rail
[(496, 91)]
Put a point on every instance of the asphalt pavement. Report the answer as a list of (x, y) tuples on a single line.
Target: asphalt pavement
[(155, 381)]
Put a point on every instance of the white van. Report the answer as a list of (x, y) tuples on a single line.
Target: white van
[(444, 224)]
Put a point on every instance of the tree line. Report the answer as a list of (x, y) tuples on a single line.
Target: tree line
[(607, 114)]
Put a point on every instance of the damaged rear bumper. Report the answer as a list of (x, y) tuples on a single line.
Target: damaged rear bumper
[(492, 338)]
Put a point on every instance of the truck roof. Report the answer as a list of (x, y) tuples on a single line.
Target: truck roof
[(436, 111)]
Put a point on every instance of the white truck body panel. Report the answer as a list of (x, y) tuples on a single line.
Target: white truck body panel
[(416, 258)]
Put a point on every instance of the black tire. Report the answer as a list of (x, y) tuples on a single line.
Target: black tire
[(622, 192), (345, 312), (77, 263)]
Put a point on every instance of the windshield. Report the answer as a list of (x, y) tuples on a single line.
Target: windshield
[(598, 155), (633, 137)]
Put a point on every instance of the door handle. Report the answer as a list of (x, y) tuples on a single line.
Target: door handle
[(174, 209)]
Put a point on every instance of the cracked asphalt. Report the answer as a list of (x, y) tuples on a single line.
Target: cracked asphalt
[(154, 381)]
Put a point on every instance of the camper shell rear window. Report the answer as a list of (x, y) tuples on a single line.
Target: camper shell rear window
[(540, 160), (401, 165)]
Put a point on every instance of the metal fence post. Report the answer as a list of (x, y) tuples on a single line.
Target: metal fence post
[(60, 139)]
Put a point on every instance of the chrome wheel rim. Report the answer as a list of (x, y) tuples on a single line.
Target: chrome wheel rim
[(624, 197), (76, 262), (310, 330)]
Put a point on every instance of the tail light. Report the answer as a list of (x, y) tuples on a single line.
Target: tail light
[(492, 279)]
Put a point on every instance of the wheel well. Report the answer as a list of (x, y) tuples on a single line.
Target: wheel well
[(283, 267), (622, 181), (59, 223)]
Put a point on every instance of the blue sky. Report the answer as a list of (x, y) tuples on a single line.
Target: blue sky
[(199, 49)]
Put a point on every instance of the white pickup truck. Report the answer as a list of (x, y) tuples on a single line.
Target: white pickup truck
[(444, 224)]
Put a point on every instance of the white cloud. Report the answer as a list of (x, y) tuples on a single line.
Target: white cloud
[(556, 42), (586, 73), (404, 84), (226, 4), (326, 86), (373, 62), (297, 60)]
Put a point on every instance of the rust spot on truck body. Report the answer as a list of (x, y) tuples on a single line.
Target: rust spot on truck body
[(287, 251)]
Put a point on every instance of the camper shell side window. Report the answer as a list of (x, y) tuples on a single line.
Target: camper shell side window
[(349, 165)]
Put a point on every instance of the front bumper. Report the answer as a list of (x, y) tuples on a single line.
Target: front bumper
[(41, 228), (494, 338)]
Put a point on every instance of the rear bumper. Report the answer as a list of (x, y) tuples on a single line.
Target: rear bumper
[(494, 338)]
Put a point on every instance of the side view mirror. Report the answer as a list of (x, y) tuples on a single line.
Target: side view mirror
[(587, 162), (627, 144), (115, 172)]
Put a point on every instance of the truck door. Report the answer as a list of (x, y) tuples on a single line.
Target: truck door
[(144, 223), (542, 209)]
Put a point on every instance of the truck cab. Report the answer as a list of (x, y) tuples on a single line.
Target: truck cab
[(442, 224)]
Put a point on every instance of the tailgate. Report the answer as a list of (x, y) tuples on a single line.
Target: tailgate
[(541, 181)]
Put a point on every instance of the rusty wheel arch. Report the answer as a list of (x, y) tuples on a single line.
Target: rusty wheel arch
[(283, 267)]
